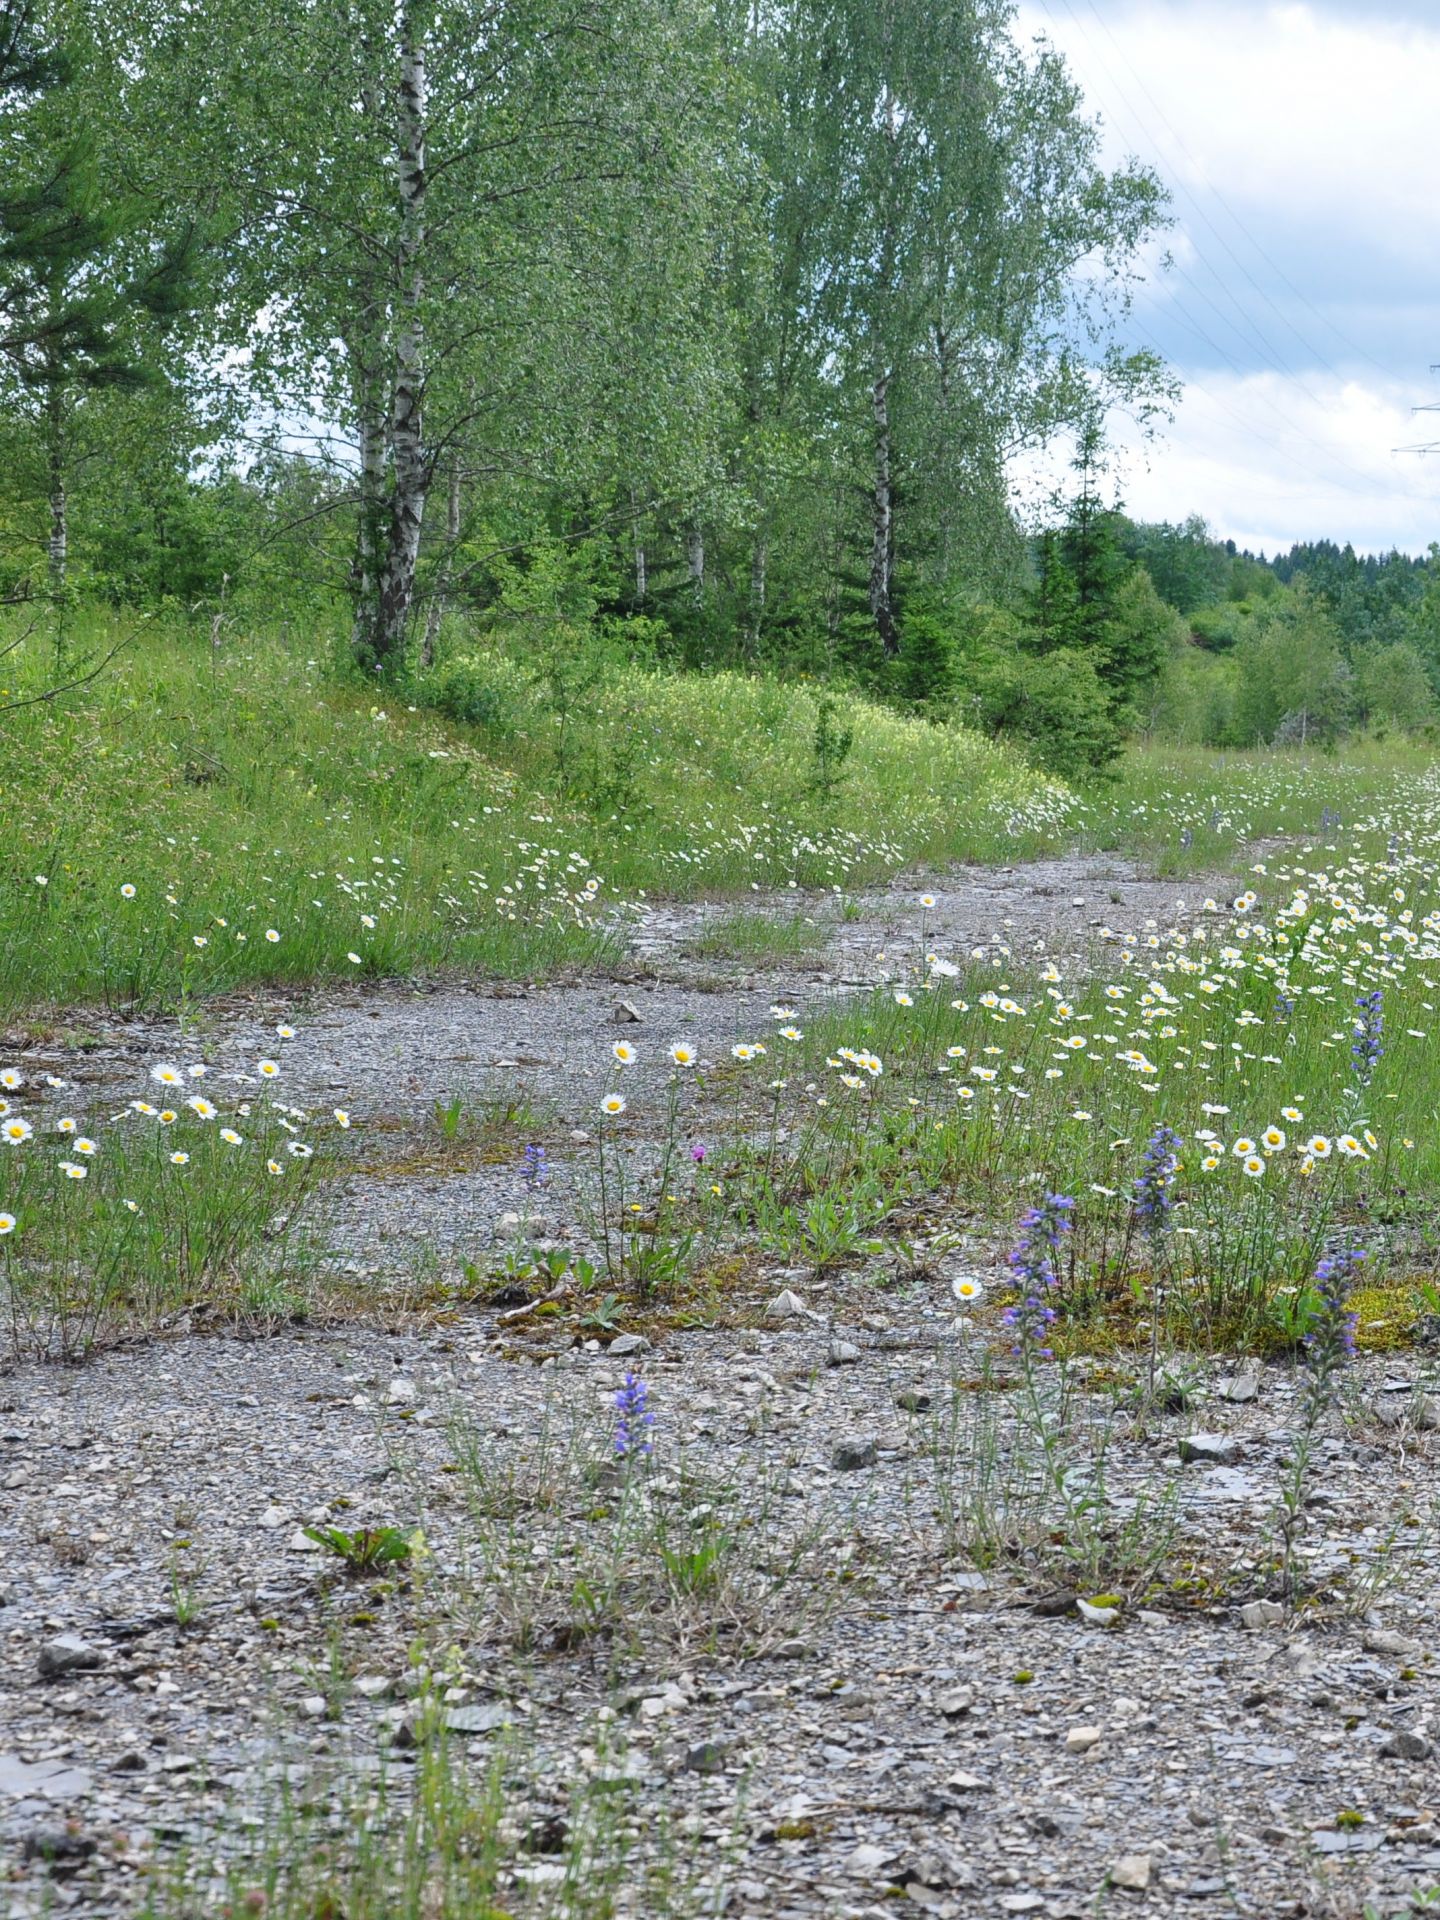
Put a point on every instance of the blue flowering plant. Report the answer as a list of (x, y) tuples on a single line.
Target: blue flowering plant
[(1034, 1263), (1153, 1196), (634, 1420), (1329, 1343), (1330, 1339), (1369, 1027)]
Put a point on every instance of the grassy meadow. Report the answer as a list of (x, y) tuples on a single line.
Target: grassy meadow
[(199, 818)]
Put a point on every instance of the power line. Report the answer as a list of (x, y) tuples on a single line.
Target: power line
[(1425, 446), (1267, 350), (1211, 188), (1133, 114)]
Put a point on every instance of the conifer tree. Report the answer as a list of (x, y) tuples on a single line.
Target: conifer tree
[(76, 274)]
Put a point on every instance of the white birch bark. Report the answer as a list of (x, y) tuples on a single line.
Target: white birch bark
[(759, 561), (882, 534), (370, 528), (642, 574), (407, 445), (57, 545)]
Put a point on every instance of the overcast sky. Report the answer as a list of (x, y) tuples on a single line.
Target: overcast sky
[(1301, 147)]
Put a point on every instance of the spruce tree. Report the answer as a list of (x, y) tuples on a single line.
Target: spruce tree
[(76, 272)]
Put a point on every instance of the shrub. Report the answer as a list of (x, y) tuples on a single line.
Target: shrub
[(1057, 705)]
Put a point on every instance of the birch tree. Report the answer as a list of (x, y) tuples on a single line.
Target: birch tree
[(952, 253), (428, 202)]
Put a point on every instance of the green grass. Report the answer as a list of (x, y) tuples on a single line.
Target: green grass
[(199, 819), (756, 936), (1191, 810), (277, 826), (996, 1080), (115, 1223), (449, 1838)]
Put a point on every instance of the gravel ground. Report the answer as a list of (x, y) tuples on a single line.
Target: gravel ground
[(391, 1053), (852, 1708), (881, 1721)]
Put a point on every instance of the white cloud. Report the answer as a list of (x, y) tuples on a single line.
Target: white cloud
[(1302, 115), (1267, 466), (1298, 142)]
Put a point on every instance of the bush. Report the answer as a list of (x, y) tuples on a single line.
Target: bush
[(1394, 689), (1290, 672), (481, 689), (1193, 701), (1057, 705)]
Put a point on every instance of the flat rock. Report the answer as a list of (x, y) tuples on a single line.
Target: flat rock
[(624, 1343), (868, 1858), (1422, 1412), (843, 1353), (68, 1653), (1131, 1870), (1262, 1613), (1081, 1739), (1348, 1840), (853, 1453), (1239, 1388), (53, 1779), (1261, 1754), (787, 1305), (485, 1717), (958, 1701), (1094, 1616), (1207, 1450), (1398, 1646)]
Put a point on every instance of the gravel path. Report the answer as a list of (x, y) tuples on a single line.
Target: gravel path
[(884, 1723), (392, 1053), (849, 1706)]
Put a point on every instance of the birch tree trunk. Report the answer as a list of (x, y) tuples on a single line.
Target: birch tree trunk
[(944, 382), (759, 561), (882, 532), (407, 446), (695, 558), (642, 575), (436, 611), (57, 546), (370, 527)]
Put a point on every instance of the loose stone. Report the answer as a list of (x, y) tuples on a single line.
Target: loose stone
[(1207, 1450), (67, 1653)]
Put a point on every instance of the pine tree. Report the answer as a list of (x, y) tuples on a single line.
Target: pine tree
[(1090, 549), (76, 276)]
